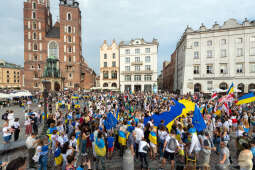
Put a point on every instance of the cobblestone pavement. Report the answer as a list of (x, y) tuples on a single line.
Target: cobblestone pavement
[(18, 113)]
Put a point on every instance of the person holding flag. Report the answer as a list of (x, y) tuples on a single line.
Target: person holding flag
[(100, 150), (153, 143)]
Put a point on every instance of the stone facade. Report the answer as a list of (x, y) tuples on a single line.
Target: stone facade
[(212, 58), (109, 66), (138, 61), (11, 75), (61, 42)]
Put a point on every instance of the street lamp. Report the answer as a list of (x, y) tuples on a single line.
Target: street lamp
[(45, 97)]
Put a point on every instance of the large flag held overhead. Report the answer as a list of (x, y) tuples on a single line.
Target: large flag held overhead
[(248, 98), (198, 120), (231, 89), (110, 121), (170, 116)]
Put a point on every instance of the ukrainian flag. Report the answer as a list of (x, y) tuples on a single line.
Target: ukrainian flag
[(118, 114), (248, 98), (122, 138), (58, 157), (169, 117), (44, 116), (153, 138), (50, 132), (231, 89), (100, 148), (75, 97)]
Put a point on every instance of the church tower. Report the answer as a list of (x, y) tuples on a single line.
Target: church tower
[(37, 22)]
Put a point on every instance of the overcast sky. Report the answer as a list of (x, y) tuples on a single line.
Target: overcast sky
[(102, 20)]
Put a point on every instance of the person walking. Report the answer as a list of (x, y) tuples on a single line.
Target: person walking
[(144, 147), (224, 157), (100, 150), (16, 127), (245, 158)]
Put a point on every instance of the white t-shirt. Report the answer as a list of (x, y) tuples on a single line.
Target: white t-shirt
[(5, 131), (162, 135), (167, 140), (142, 144), (139, 135)]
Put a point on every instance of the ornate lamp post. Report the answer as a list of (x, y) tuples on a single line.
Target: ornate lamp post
[(45, 98)]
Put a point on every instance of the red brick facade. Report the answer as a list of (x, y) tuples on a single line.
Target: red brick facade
[(39, 33), (168, 74)]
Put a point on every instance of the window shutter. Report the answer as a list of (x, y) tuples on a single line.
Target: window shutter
[(39, 25), (64, 58), (65, 48), (73, 58), (65, 29), (40, 46), (28, 24), (73, 29), (74, 39), (40, 36), (29, 35), (74, 49), (64, 38)]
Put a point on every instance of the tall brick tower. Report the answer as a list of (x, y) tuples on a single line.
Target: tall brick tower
[(37, 22), (70, 37), (53, 53)]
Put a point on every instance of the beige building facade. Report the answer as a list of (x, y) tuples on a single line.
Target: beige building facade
[(11, 75), (214, 58), (109, 66)]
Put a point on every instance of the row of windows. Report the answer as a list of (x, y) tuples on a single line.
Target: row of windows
[(147, 77), (34, 36), (69, 49), (14, 81), (38, 66), (224, 68), (138, 59), (138, 68), (35, 46), (113, 75), (224, 41), (34, 25), (223, 53), (113, 64), (113, 56), (138, 51), (13, 72), (69, 29), (69, 39)]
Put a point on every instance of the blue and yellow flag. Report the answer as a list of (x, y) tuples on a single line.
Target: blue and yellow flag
[(169, 117), (100, 148), (117, 114), (231, 89), (122, 138), (248, 98), (58, 157), (153, 138), (75, 96)]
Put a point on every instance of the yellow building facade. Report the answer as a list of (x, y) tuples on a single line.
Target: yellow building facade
[(11, 75)]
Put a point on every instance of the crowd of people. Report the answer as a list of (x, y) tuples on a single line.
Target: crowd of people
[(77, 135)]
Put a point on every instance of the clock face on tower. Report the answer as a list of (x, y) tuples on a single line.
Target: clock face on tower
[(69, 2)]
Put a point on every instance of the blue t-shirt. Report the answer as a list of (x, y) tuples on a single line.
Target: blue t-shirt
[(253, 151), (110, 141)]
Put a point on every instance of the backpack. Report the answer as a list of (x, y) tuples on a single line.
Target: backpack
[(4, 116), (172, 144)]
